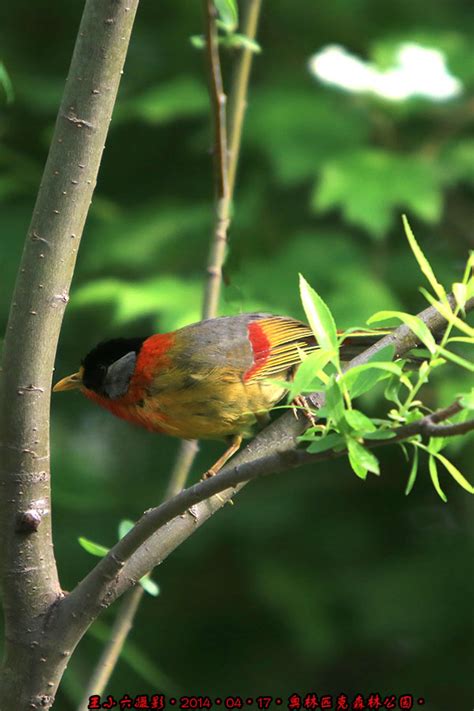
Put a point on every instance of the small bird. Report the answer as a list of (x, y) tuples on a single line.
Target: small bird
[(215, 379)]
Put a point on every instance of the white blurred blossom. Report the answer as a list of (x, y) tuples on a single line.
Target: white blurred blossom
[(418, 71)]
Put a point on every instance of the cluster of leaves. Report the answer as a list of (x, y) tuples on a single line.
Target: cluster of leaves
[(348, 428), (228, 23)]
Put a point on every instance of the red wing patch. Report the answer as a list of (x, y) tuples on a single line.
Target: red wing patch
[(277, 344), (260, 347)]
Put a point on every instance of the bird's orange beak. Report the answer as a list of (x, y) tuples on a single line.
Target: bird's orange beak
[(72, 382)]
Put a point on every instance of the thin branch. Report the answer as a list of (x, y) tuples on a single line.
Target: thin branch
[(218, 99), (110, 655), (223, 198), (28, 569), (225, 171), (459, 428), (182, 466), (239, 90)]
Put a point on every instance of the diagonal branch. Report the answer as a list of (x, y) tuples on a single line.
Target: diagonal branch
[(161, 529)]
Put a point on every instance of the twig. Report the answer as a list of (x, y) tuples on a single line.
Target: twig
[(239, 90), (108, 659), (184, 460), (226, 160), (223, 199)]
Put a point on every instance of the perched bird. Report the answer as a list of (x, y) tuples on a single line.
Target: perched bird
[(214, 379)]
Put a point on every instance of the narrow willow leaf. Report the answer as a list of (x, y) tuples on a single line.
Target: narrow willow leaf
[(93, 548), (359, 422), (447, 313), (364, 377), (6, 83), (455, 473), (392, 389), (354, 461), (414, 323), (380, 434), (329, 441), (334, 402), (460, 294), (150, 586), (319, 317), (436, 444), (467, 400), (228, 13), (454, 358), (413, 472), (307, 376), (363, 458), (238, 40), (423, 263), (470, 288), (124, 527), (434, 478)]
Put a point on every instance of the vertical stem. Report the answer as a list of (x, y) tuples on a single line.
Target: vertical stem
[(226, 153), (108, 659), (223, 201), (239, 89)]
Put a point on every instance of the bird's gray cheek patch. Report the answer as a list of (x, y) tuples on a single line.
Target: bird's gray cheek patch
[(118, 376)]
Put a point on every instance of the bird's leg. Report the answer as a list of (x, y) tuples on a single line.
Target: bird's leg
[(302, 403), (217, 466)]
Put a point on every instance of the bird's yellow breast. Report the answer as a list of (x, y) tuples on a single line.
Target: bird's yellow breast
[(210, 406)]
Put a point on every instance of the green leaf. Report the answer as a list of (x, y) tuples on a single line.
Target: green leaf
[(467, 400), (460, 294), (446, 311), (361, 459), (455, 473), (334, 402), (329, 441), (369, 185), (237, 41), (414, 323), (359, 422), (436, 444), (380, 434), (434, 477), (319, 318), (306, 377), (125, 526), (423, 263), (150, 586), (413, 472), (198, 41), (6, 83), (454, 358), (228, 13), (93, 548), (362, 378)]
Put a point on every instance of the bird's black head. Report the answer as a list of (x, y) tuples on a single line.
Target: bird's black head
[(108, 368)]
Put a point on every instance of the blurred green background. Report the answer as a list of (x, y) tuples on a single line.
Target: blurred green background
[(314, 580)]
